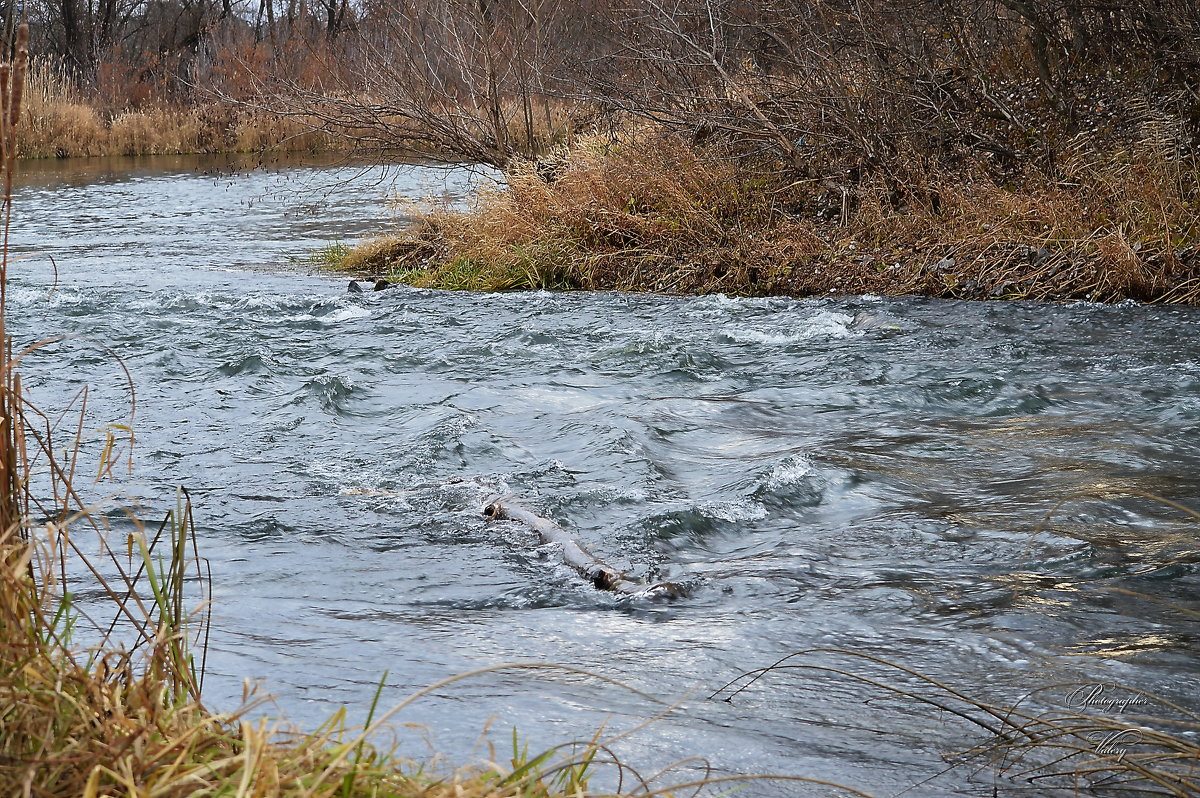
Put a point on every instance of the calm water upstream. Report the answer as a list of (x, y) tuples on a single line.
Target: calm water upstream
[(947, 484)]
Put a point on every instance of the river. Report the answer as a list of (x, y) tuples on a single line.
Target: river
[(959, 487)]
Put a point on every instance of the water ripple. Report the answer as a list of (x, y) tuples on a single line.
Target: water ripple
[(961, 486)]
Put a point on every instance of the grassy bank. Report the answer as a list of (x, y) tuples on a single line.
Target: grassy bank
[(654, 212), (60, 120)]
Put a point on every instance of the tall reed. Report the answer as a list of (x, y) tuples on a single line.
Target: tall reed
[(12, 86)]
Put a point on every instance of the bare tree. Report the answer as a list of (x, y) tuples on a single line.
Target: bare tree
[(467, 79)]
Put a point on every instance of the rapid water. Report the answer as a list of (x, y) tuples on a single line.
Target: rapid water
[(959, 487)]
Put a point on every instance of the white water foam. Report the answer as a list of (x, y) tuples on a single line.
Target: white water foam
[(788, 472), (46, 297), (825, 324), (257, 301), (830, 324), (611, 494), (733, 511), (743, 335), (715, 304), (642, 340), (346, 313)]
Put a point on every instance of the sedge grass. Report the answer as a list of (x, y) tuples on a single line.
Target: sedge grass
[(327, 256)]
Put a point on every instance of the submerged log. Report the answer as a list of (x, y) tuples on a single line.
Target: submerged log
[(600, 574)]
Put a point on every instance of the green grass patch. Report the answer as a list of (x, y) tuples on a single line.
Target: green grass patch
[(330, 256)]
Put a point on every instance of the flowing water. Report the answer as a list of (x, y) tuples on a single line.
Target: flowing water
[(959, 487)]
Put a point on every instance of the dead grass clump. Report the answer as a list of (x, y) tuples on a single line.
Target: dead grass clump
[(58, 123), (640, 215), (157, 131), (62, 130), (657, 213), (378, 256), (61, 121), (256, 130), (1122, 228)]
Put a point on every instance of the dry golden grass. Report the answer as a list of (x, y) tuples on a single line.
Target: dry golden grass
[(261, 131), (629, 217), (57, 121), (158, 131), (60, 121), (657, 213)]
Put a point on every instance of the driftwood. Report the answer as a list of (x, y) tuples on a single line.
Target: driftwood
[(600, 574)]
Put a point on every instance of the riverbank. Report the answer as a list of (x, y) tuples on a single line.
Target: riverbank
[(61, 121), (658, 213)]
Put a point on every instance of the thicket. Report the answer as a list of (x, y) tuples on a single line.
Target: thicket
[(873, 86), (967, 148)]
